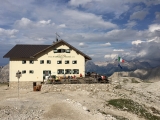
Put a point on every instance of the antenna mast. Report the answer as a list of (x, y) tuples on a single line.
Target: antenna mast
[(57, 36)]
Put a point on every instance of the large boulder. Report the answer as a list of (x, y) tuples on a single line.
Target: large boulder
[(4, 74)]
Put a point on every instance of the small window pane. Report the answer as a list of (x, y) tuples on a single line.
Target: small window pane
[(60, 71), (62, 50), (23, 71), (59, 62), (23, 61), (42, 62), (31, 61), (74, 62), (59, 51), (31, 71), (55, 50), (68, 71), (67, 62), (48, 62), (75, 71), (67, 50)]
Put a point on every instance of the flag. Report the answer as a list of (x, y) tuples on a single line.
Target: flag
[(120, 59), (119, 66)]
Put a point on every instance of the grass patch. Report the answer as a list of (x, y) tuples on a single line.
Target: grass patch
[(134, 107), (133, 80)]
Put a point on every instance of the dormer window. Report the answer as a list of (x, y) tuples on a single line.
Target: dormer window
[(55, 51), (61, 50), (67, 50)]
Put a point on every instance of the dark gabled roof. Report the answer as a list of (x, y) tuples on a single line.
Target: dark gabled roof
[(30, 51), (24, 51)]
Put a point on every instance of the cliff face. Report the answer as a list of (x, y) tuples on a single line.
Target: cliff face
[(4, 74), (144, 74)]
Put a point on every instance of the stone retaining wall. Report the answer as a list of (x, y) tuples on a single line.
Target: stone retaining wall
[(62, 87), (76, 87), (23, 85)]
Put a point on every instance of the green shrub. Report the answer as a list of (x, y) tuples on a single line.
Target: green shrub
[(134, 107)]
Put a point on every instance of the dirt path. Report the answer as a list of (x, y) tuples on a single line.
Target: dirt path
[(74, 105)]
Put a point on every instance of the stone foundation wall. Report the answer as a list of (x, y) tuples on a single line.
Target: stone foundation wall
[(22, 85), (62, 87), (76, 87)]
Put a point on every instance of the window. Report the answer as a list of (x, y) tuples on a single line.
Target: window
[(61, 50), (31, 61), (60, 71), (75, 71), (67, 62), (59, 62), (55, 51), (23, 61), (67, 50), (46, 73), (48, 62), (74, 62), (23, 71), (31, 71), (68, 71), (42, 62)]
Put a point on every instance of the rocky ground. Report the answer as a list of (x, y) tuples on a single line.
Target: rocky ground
[(80, 104)]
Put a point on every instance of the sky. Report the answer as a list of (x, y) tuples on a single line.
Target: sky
[(102, 29)]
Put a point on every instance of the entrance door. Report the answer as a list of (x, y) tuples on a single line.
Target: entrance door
[(46, 74)]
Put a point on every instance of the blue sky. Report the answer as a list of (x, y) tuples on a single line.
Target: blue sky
[(101, 29)]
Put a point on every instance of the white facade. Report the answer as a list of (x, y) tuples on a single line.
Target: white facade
[(49, 62)]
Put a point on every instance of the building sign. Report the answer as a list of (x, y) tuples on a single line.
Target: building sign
[(61, 56)]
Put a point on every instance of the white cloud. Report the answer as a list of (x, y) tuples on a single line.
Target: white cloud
[(111, 56), (154, 27), (23, 22), (118, 50), (139, 15), (9, 33), (27, 23), (106, 44), (82, 45), (136, 42), (155, 39), (87, 20), (62, 26), (45, 22)]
